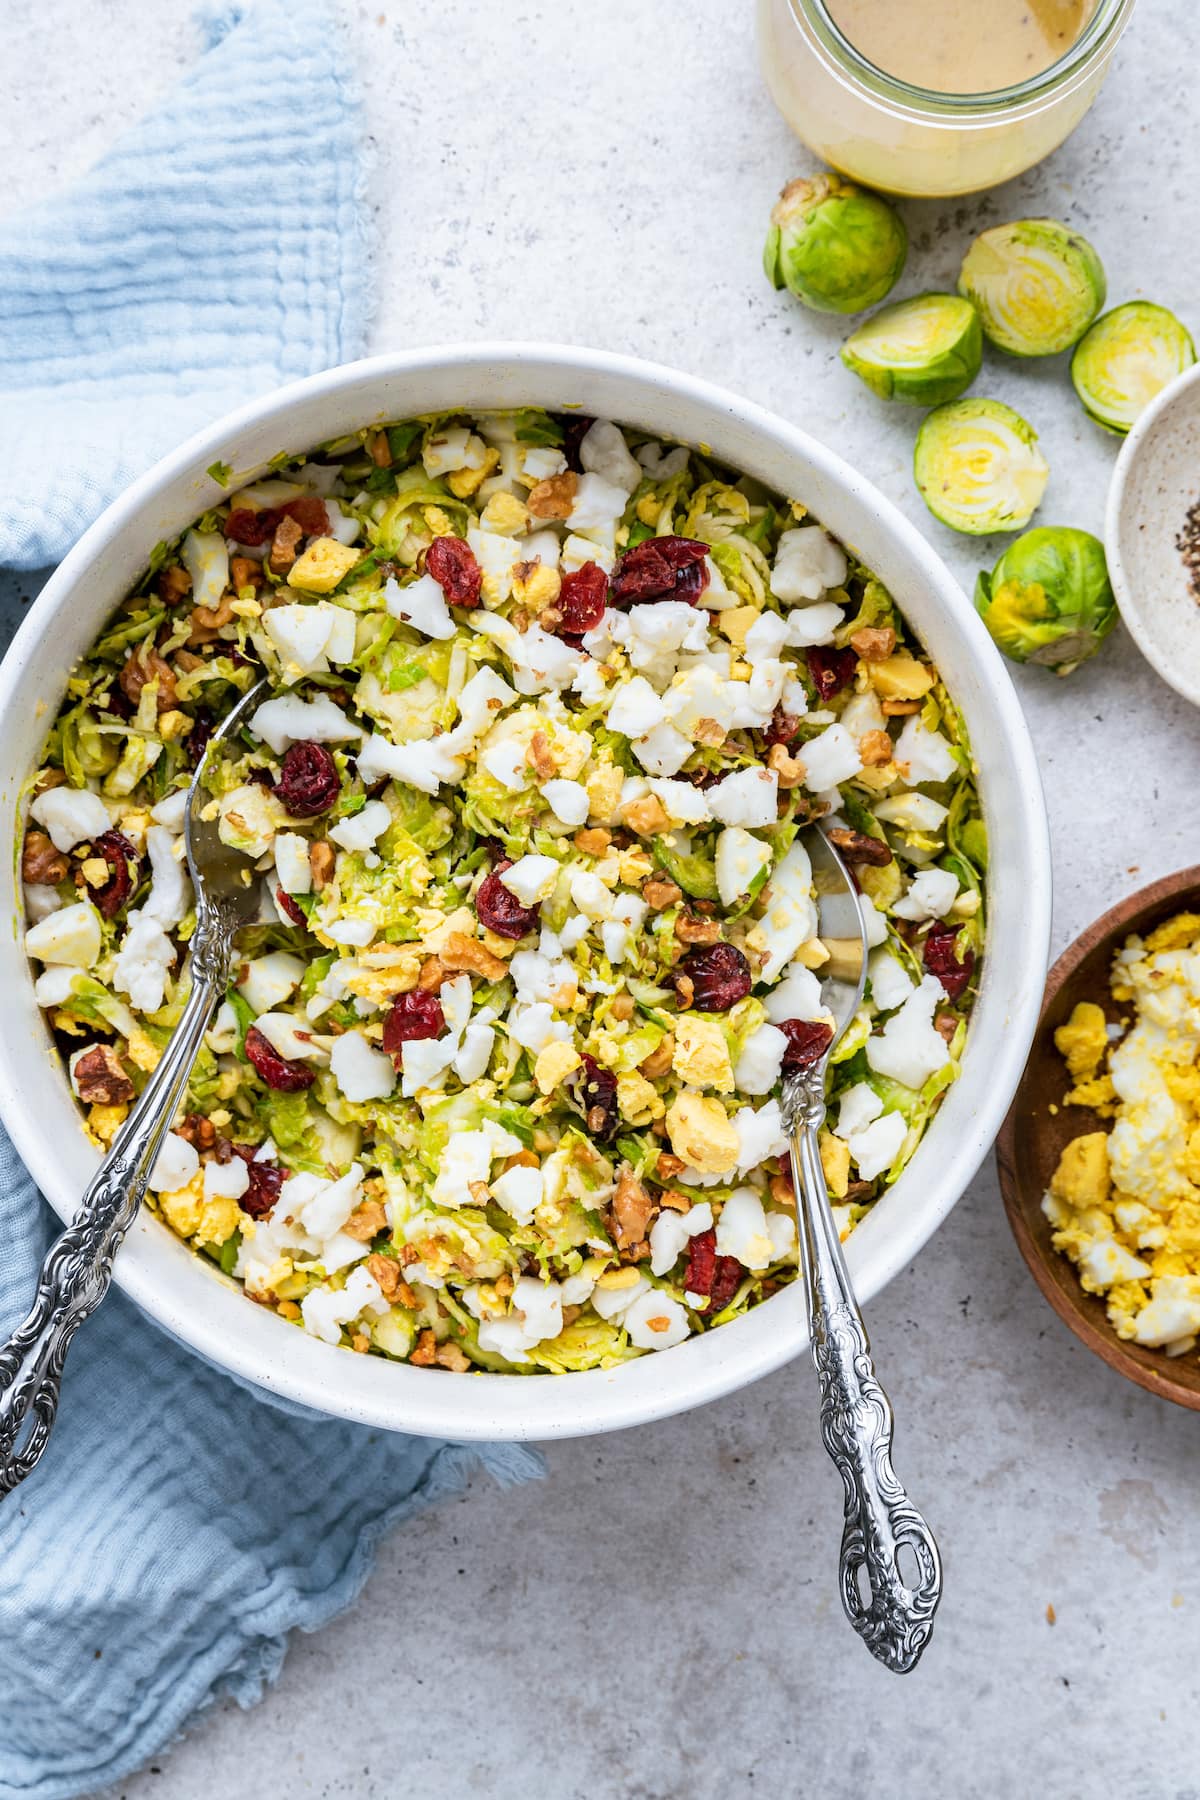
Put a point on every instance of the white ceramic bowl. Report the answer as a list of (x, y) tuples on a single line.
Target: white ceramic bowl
[(181, 1291), (1155, 482)]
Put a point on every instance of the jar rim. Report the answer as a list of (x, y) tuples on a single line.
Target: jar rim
[(1105, 24)]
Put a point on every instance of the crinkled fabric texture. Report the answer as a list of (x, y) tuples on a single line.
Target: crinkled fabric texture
[(177, 1528), (180, 1524), (222, 247)]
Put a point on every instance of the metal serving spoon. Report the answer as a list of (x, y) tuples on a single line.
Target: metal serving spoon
[(893, 1617), (78, 1268)]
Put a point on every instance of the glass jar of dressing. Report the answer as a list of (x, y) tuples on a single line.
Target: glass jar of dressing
[(936, 97)]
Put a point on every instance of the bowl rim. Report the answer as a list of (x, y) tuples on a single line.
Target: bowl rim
[(1136, 611), (463, 1407), (1119, 919)]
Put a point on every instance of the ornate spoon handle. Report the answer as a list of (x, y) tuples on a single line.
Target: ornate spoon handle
[(893, 1618), (78, 1267)]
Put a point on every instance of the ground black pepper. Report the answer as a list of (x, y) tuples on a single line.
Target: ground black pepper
[(1188, 545)]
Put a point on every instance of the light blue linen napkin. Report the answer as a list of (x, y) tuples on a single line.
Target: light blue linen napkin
[(180, 1524), (221, 248)]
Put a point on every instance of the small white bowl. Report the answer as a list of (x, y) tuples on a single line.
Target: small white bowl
[(182, 1291), (1155, 482)]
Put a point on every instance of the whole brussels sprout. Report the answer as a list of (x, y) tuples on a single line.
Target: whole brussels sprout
[(836, 247), (1048, 600), (1127, 357), (1037, 285), (925, 350), (978, 467)]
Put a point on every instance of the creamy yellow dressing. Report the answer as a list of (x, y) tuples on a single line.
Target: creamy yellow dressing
[(960, 46)]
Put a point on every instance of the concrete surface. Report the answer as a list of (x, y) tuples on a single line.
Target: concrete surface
[(659, 1618)]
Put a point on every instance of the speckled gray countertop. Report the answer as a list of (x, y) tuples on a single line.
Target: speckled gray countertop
[(659, 1618)]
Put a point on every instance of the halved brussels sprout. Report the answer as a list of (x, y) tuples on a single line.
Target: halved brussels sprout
[(1037, 285), (1127, 357), (978, 467), (925, 350), (834, 246), (1048, 599)]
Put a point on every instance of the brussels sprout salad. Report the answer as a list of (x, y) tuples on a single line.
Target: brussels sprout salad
[(495, 1085)]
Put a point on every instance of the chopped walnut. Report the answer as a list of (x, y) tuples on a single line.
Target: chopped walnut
[(631, 1209), (424, 1351), (621, 1007), (667, 1165), (671, 1198), (691, 930), (593, 840), (539, 758), (480, 1192), (432, 974), (244, 572), (875, 749), (379, 450), (99, 1078), (450, 1356), (197, 1131), (460, 952), (659, 893), (321, 860), (873, 642), (366, 1222), (861, 847), (659, 1059), (145, 664), (708, 731), (521, 1159), (946, 1024), (386, 1271), (780, 1189), (409, 1254), (553, 498), (174, 583), (206, 621), (41, 864), (284, 544), (648, 817), (896, 709), (188, 661), (360, 1343), (789, 769)]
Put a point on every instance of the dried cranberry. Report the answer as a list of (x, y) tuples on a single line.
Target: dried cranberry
[(808, 1040), (831, 670), (660, 568), (288, 907), (452, 564), (309, 512), (417, 1014), (266, 1179), (719, 974), (499, 911), (196, 742), (308, 780), (277, 1071), (245, 526), (708, 1274), (782, 727), (942, 959), (596, 1091), (574, 430), (122, 859), (581, 600)]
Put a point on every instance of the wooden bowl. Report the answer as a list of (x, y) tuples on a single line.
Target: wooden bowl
[(1033, 1136)]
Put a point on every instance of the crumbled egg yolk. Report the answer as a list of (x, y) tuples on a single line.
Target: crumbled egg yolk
[(1125, 1203)]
